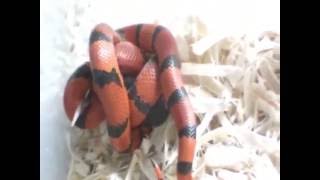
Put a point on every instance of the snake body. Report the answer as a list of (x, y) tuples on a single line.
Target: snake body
[(132, 95)]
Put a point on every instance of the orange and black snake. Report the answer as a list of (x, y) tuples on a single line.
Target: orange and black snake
[(132, 95)]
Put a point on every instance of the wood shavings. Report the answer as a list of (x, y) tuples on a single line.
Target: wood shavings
[(208, 69), (225, 174), (82, 169), (235, 92), (231, 158), (146, 167), (204, 44)]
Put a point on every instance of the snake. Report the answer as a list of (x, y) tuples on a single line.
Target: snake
[(133, 93)]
